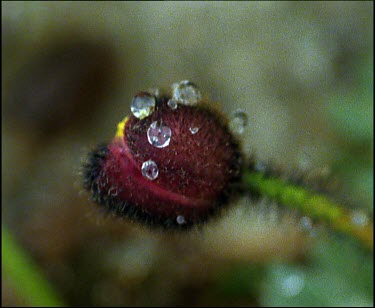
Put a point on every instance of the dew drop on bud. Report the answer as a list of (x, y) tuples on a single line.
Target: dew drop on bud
[(238, 122), (159, 135), (150, 170), (186, 93), (143, 104), (194, 130), (180, 220), (172, 104)]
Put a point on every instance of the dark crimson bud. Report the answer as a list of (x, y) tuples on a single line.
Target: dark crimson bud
[(173, 162)]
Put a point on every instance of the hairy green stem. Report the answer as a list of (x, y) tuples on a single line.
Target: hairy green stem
[(309, 203), (27, 280)]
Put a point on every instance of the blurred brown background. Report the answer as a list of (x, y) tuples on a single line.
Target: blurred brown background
[(69, 72)]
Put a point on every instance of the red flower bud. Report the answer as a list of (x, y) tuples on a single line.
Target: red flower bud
[(173, 162)]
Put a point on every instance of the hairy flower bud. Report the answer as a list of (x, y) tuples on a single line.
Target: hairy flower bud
[(173, 162)]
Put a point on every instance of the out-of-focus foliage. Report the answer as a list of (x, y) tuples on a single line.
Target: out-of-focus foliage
[(351, 112), (338, 274)]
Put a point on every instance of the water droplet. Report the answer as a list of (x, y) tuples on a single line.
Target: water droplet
[(180, 220), (260, 166), (154, 91), (238, 122), (150, 170), (359, 218), (306, 223), (143, 104), (194, 130), (186, 93), (292, 285), (172, 104), (159, 135)]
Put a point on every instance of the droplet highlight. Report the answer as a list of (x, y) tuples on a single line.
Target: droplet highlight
[(292, 285), (307, 226), (306, 223), (181, 220), (194, 130), (186, 93), (238, 121), (172, 104), (359, 218), (260, 167), (159, 135), (143, 104), (154, 91), (150, 170)]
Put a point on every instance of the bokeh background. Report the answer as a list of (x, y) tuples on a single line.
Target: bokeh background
[(303, 73)]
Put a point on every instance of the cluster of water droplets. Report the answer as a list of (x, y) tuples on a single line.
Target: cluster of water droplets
[(158, 134)]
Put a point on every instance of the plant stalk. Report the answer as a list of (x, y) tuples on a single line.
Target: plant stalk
[(314, 205)]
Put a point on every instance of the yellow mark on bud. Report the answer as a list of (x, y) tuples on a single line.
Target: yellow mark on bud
[(121, 127)]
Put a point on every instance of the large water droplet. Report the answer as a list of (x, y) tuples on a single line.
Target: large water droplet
[(238, 122), (159, 135), (143, 104), (180, 220), (186, 93), (194, 130), (359, 218), (150, 170)]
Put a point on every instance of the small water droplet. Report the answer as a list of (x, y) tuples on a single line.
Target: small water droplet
[(194, 130), (186, 93), (359, 218), (292, 285), (150, 170), (154, 91), (143, 104), (260, 166), (159, 135), (172, 104), (180, 220), (306, 223), (238, 122)]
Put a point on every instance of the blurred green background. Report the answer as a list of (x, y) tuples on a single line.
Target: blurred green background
[(302, 71)]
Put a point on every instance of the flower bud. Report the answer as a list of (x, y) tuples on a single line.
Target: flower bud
[(170, 163)]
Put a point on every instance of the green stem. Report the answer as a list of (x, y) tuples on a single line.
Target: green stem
[(26, 277), (309, 203)]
